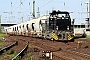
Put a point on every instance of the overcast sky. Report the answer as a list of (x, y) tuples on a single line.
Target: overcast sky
[(10, 9)]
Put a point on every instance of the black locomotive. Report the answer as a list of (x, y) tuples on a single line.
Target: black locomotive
[(58, 26)]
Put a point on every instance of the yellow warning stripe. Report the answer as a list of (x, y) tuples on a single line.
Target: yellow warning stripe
[(54, 36), (70, 37)]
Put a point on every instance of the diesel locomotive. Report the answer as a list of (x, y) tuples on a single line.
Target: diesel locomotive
[(58, 26), (55, 26)]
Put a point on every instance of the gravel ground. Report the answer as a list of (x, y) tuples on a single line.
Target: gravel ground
[(73, 46)]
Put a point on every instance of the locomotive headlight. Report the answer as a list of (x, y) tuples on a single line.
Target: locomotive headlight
[(54, 17), (66, 18), (62, 17), (67, 27), (51, 17), (57, 27)]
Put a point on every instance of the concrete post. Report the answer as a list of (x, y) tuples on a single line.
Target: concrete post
[(79, 44)]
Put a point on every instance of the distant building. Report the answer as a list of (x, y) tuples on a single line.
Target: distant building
[(79, 26), (80, 29), (4, 25)]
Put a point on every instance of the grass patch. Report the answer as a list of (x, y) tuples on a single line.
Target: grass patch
[(2, 43), (8, 54), (18, 58), (29, 58), (1, 59), (29, 54), (14, 54), (2, 35), (88, 37), (11, 53)]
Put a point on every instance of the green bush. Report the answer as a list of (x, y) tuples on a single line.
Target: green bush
[(84, 35)]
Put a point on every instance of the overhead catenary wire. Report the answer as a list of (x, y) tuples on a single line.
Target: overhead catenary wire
[(48, 2), (18, 6)]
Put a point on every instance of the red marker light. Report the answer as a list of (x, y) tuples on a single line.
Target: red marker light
[(49, 51), (43, 51)]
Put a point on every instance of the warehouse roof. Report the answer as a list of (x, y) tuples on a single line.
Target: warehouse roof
[(7, 24)]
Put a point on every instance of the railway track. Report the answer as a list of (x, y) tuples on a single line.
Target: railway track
[(63, 53), (8, 47), (69, 56), (14, 51), (20, 54), (60, 53), (77, 53)]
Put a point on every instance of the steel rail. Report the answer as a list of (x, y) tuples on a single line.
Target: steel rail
[(21, 52), (8, 47)]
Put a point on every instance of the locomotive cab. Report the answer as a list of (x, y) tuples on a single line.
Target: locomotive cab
[(59, 21), (59, 25)]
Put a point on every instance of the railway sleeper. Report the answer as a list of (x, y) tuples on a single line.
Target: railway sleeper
[(62, 57), (79, 54)]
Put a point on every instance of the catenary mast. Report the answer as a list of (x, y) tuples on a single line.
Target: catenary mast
[(33, 9), (89, 13)]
